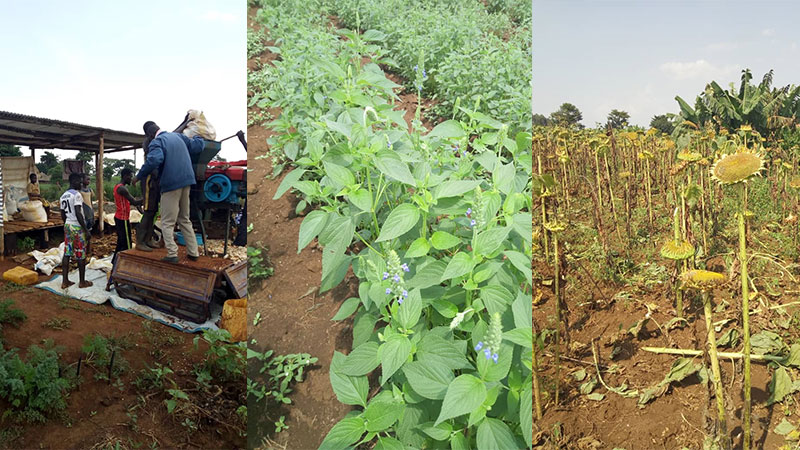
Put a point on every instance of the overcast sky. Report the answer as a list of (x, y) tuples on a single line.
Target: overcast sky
[(119, 64), (638, 55)]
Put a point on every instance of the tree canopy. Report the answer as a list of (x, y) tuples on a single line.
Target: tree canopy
[(662, 123), (9, 150), (618, 118), (567, 115)]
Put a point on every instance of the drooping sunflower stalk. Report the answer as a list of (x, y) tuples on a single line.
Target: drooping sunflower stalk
[(704, 281), (555, 227), (737, 168)]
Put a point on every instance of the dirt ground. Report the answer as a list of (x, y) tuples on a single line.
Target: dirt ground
[(100, 415), (674, 420)]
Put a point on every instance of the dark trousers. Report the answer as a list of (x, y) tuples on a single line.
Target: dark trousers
[(123, 236), (146, 230)]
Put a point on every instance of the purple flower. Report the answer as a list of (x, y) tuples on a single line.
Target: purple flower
[(416, 67), (488, 353), (385, 275), (388, 145), (405, 293), (396, 278), (404, 267), (469, 211), (399, 301), (495, 358), (424, 75), (388, 291), (472, 223), (479, 346), (464, 153)]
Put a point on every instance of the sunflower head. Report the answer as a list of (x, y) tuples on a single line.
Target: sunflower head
[(686, 155), (555, 226), (702, 279), (737, 167), (795, 183), (677, 250)]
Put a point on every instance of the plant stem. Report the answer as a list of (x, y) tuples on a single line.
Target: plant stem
[(731, 355), (537, 401), (745, 321), (558, 314), (712, 353)]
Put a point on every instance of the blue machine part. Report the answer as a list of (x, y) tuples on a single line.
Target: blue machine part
[(220, 188)]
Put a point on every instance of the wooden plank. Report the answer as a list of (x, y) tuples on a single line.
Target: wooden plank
[(99, 176)]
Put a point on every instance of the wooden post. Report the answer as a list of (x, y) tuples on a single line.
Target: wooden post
[(33, 157), (99, 175)]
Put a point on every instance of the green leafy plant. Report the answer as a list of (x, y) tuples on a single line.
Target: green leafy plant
[(32, 387), (223, 360), (258, 265), (26, 244), (102, 353)]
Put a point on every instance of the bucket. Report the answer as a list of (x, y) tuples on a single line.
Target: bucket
[(179, 238)]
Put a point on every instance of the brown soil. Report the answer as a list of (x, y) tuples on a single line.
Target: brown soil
[(679, 418), (97, 412)]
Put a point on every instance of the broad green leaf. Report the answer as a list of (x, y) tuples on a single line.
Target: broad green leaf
[(390, 164), (427, 276), (520, 336), (439, 432), (428, 380), (349, 390), (339, 174), (522, 224), (496, 298), (334, 267), (526, 412), (464, 395), (494, 434), (780, 386), (522, 310), (449, 129), (408, 312), (459, 442), (418, 248), (363, 326), (344, 434), (312, 225), (455, 188), (338, 232), (521, 263), (435, 350), (290, 179), (362, 199), (390, 443), (408, 427), (381, 415), (399, 222), (503, 177), (488, 241), (347, 309), (393, 354), (443, 240), (460, 265), (362, 360), (445, 308), (495, 371)]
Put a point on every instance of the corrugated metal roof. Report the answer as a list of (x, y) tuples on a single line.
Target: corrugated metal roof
[(41, 133)]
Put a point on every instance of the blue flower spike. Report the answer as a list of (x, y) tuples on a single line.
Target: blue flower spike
[(479, 346), (385, 275), (388, 291), (488, 353), (495, 358)]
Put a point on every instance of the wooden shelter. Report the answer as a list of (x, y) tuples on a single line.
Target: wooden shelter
[(41, 133)]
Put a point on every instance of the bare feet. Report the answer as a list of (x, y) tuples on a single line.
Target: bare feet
[(66, 283), (85, 284)]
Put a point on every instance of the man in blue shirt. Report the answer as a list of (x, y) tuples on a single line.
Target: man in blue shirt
[(171, 154)]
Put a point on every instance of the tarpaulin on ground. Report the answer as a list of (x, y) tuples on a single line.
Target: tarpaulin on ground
[(97, 295)]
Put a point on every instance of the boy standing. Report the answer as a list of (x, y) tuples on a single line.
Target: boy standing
[(76, 232), (123, 200)]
